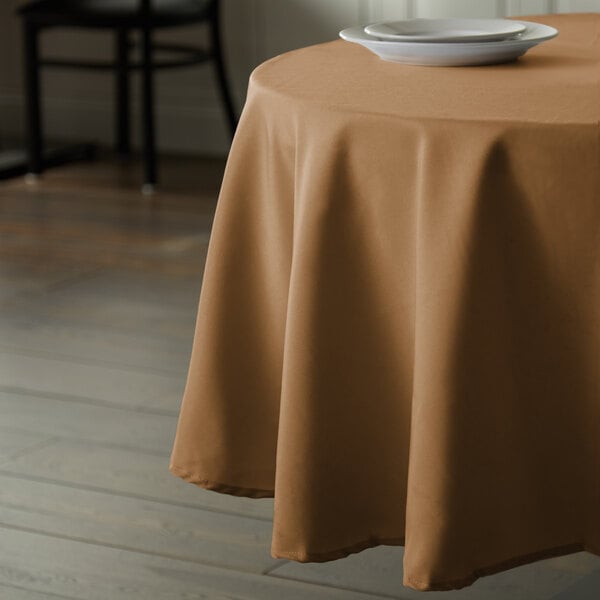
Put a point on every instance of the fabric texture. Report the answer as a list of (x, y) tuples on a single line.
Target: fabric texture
[(398, 334)]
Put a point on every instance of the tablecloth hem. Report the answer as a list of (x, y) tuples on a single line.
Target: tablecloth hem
[(217, 486), (511, 563), (305, 557)]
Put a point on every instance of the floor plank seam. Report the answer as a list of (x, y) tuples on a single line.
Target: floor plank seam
[(106, 445), (122, 494), (137, 333), (125, 548), (133, 408), (41, 594), (381, 595), (277, 565), (78, 360), (87, 442), (120, 328), (73, 279), (31, 448), (71, 191)]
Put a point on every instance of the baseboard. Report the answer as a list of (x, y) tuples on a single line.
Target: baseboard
[(182, 129)]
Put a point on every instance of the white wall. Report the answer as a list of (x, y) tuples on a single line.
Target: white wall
[(78, 104)]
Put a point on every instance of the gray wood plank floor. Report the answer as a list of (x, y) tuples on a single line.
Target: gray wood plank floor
[(98, 296)]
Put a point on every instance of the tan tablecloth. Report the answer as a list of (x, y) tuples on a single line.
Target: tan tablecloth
[(399, 328)]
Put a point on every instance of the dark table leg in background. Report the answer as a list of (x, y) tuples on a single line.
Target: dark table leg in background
[(33, 125), (148, 132), (123, 134)]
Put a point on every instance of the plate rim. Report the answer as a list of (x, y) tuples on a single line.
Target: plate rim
[(531, 28), (518, 27)]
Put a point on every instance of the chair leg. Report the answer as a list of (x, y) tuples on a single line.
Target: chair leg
[(33, 123), (217, 45), (123, 129), (148, 125)]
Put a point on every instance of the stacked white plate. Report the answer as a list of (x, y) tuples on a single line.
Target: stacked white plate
[(450, 42)]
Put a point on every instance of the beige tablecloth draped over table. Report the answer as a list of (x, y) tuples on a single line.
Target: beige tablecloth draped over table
[(399, 327)]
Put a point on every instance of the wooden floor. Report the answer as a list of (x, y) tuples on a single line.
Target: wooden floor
[(98, 289)]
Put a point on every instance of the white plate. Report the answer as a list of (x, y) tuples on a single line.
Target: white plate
[(452, 54), (446, 30)]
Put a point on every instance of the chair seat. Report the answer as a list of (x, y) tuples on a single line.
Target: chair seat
[(114, 13)]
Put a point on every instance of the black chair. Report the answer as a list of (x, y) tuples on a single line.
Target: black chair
[(124, 17)]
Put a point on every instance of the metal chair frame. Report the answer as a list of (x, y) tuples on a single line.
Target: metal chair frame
[(145, 21)]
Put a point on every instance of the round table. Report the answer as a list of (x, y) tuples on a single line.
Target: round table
[(398, 334)]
